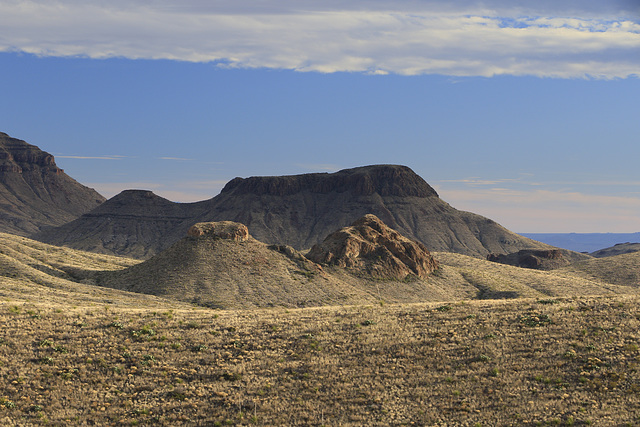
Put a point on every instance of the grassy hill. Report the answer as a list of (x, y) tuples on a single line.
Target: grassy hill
[(72, 353), (31, 271), (621, 269), (252, 275)]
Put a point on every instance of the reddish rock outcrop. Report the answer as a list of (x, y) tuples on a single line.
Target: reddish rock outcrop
[(223, 230), (370, 247)]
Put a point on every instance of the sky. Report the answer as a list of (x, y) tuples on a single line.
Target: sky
[(525, 112)]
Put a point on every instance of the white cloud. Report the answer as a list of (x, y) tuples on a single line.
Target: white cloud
[(175, 158), (91, 157), (579, 39)]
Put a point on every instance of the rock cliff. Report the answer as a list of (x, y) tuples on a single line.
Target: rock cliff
[(34, 192)]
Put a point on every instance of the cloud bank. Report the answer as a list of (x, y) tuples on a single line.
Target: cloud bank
[(566, 39)]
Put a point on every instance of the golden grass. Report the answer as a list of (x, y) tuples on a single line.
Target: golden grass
[(516, 362), (76, 354), (621, 269)]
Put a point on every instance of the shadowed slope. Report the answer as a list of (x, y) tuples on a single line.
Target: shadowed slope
[(135, 223), (34, 192)]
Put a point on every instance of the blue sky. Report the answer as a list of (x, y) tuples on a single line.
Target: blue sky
[(529, 116)]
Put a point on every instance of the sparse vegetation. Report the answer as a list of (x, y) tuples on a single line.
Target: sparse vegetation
[(76, 354), (377, 365)]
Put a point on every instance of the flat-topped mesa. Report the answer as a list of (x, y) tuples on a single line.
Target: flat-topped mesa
[(385, 180), (228, 230), (370, 247)]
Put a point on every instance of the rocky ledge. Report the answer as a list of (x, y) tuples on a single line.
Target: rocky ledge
[(221, 230), (385, 180)]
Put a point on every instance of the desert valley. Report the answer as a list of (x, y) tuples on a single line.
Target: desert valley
[(358, 297)]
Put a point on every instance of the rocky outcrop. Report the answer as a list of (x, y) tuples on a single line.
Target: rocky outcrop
[(370, 247), (221, 230), (548, 259), (34, 192)]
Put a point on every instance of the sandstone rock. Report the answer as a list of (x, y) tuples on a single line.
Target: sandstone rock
[(544, 259), (223, 230), (372, 248)]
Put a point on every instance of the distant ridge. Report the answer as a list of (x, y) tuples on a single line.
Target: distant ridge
[(618, 249), (135, 223), (584, 242), (384, 180), (296, 210), (34, 192)]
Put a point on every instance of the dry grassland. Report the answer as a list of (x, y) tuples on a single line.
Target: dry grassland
[(478, 363)]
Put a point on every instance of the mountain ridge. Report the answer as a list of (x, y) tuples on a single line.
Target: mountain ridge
[(35, 193), (295, 210)]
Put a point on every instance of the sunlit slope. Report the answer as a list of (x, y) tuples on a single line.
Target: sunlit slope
[(495, 281), (37, 272), (621, 270)]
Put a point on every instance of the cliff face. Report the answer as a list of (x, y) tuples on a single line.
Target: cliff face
[(299, 211), (384, 180), (34, 192)]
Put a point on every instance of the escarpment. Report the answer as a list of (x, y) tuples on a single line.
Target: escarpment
[(34, 192)]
